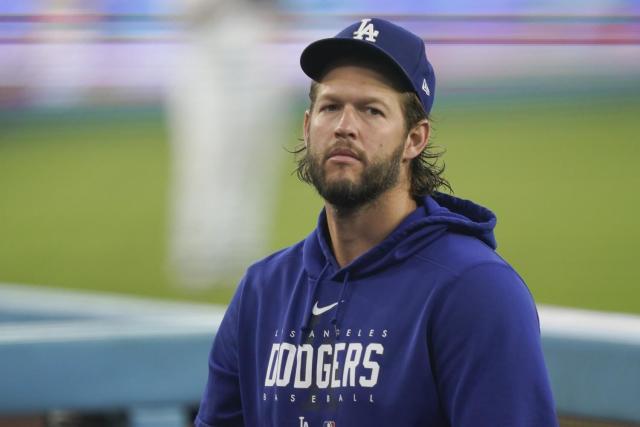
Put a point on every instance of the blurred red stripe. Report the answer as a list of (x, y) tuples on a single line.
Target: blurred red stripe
[(434, 40), (71, 18)]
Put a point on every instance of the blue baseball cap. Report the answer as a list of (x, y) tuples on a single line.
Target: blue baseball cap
[(382, 41)]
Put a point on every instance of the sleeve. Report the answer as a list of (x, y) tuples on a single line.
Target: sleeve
[(486, 352), (221, 405)]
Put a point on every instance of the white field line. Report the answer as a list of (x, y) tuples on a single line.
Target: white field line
[(48, 332), (106, 316), (589, 325), (43, 300), (132, 316)]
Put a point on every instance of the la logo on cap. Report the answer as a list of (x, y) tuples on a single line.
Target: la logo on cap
[(366, 29)]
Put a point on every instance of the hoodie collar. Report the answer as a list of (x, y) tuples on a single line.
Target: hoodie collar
[(433, 216)]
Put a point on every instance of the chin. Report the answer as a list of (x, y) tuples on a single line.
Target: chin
[(342, 173), (341, 182)]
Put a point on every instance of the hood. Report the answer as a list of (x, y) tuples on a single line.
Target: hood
[(434, 216)]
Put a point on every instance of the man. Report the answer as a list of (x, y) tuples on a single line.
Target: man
[(395, 310)]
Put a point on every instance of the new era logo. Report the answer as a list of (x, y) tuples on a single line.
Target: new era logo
[(425, 87), (366, 29)]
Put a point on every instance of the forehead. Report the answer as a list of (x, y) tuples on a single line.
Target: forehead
[(351, 79)]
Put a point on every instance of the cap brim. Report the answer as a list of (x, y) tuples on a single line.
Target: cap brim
[(318, 56)]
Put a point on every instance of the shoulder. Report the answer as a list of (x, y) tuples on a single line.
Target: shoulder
[(278, 262), (274, 275), (474, 278), (486, 295), (455, 253)]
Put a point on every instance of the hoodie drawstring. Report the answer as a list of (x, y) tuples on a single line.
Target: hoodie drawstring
[(310, 297), (337, 316)]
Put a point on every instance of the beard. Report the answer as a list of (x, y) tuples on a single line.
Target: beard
[(346, 194)]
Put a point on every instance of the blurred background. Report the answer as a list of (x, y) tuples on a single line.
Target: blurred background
[(144, 144)]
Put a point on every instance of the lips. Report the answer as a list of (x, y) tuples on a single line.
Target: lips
[(343, 152)]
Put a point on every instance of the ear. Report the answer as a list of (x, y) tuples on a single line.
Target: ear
[(417, 140), (305, 126)]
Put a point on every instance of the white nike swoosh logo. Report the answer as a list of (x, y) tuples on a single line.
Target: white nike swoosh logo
[(317, 311)]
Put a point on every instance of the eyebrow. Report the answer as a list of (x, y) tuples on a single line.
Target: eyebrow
[(361, 100)]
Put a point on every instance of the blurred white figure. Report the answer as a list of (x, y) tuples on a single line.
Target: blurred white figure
[(225, 107)]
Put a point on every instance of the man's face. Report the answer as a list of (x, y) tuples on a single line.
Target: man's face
[(355, 137)]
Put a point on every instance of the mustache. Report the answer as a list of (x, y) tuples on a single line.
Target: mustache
[(345, 148)]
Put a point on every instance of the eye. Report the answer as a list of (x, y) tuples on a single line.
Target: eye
[(329, 107), (374, 111)]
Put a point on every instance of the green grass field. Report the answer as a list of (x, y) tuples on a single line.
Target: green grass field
[(83, 198)]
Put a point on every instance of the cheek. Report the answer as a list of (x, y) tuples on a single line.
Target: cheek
[(385, 139), (314, 149), (319, 123), (319, 133)]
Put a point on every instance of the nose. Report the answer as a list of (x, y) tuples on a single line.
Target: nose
[(346, 125)]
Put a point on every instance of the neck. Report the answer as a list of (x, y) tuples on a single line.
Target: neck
[(353, 232)]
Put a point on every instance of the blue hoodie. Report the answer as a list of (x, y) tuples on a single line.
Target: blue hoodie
[(429, 328)]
